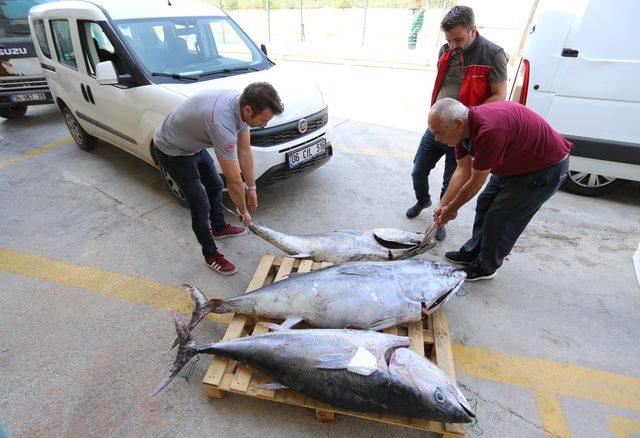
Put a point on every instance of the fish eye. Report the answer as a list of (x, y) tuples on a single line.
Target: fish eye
[(439, 397)]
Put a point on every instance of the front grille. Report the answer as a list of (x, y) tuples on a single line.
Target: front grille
[(22, 83), (281, 173), (264, 137)]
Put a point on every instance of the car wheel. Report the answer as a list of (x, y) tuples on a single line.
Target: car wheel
[(84, 141), (590, 184), (13, 112), (173, 187)]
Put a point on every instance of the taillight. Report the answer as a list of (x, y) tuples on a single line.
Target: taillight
[(521, 84)]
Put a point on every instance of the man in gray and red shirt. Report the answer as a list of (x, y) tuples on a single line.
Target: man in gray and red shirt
[(528, 161)]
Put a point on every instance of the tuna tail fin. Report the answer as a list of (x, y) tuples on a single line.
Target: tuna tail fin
[(185, 353), (203, 307)]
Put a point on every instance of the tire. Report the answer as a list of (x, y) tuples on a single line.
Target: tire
[(84, 141), (13, 112), (590, 184), (173, 186)]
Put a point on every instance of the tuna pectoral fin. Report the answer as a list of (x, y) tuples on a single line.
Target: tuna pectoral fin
[(301, 255), (272, 386), (363, 362), (287, 324), (185, 353)]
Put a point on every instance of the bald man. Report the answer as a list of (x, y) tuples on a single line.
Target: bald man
[(527, 159)]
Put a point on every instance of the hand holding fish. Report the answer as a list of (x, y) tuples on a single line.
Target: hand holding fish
[(444, 214), (245, 218)]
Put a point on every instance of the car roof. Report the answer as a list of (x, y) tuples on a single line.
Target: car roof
[(129, 9)]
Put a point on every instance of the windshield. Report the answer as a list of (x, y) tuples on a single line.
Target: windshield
[(13, 17), (197, 47)]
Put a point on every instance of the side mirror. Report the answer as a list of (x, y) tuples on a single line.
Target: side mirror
[(264, 49), (106, 73)]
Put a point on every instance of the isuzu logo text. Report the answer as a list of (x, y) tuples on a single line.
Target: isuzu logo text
[(13, 51)]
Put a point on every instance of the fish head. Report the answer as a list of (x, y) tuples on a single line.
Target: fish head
[(434, 289), (431, 386)]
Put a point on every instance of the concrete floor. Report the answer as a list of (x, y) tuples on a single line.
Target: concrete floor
[(92, 248)]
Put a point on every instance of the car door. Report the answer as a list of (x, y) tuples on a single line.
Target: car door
[(111, 108), (65, 78)]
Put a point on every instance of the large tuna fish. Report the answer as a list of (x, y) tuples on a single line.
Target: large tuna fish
[(363, 295), (380, 244), (363, 371)]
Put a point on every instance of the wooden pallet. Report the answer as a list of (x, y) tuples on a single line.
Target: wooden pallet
[(429, 337)]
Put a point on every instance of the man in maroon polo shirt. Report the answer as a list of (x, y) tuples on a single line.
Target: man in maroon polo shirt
[(528, 161)]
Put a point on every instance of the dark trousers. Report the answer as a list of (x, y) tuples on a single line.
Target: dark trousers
[(504, 209), (201, 184), (428, 154)]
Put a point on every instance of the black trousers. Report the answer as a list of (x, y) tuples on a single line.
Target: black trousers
[(201, 184), (504, 210)]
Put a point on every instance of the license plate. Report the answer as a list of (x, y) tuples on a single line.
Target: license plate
[(306, 153), (28, 97)]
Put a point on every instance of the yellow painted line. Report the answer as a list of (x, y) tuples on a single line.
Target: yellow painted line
[(622, 427), (553, 420), (102, 282), (34, 152), (549, 377), (377, 152)]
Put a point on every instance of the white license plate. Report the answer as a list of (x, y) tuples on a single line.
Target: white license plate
[(28, 97), (298, 157)]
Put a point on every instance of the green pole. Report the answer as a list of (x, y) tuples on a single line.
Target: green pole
[(364, 22), (301, 24), (268, 20)]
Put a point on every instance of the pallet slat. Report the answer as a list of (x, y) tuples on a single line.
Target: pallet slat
[(429, 336)]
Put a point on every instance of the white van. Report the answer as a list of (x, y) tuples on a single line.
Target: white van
[(581, 72), (116, 68)]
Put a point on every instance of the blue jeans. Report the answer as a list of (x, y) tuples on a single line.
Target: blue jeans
[(201, 184), (504, 210), (428, 154)]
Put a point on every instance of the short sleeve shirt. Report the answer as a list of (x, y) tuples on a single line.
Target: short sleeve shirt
[(210, 118), (510, 139)]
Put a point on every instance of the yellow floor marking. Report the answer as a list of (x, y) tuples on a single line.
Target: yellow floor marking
[(549, 377), (622, 427), (34, 152), (551, 415), (102, 282), (377, 152)]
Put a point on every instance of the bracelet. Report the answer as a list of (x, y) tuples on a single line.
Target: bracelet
[(250, 187)]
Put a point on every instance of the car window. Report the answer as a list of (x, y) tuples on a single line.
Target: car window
[(228, 42), (97, 48), (62, 41), (41, 36), (191, 45)]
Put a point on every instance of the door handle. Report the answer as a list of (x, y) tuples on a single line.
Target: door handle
[(569, 53), (84, 92), (90, 94)]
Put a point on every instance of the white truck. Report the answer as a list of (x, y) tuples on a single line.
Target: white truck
[(581, 72), (117, 68), (22, 82)]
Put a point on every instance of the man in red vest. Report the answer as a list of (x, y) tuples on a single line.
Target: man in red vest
[(472, 70)]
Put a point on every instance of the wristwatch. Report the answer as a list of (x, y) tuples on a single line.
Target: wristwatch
[(250, 187)]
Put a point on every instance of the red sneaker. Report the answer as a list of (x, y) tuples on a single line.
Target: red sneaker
[(221, 265), (229, 231)]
